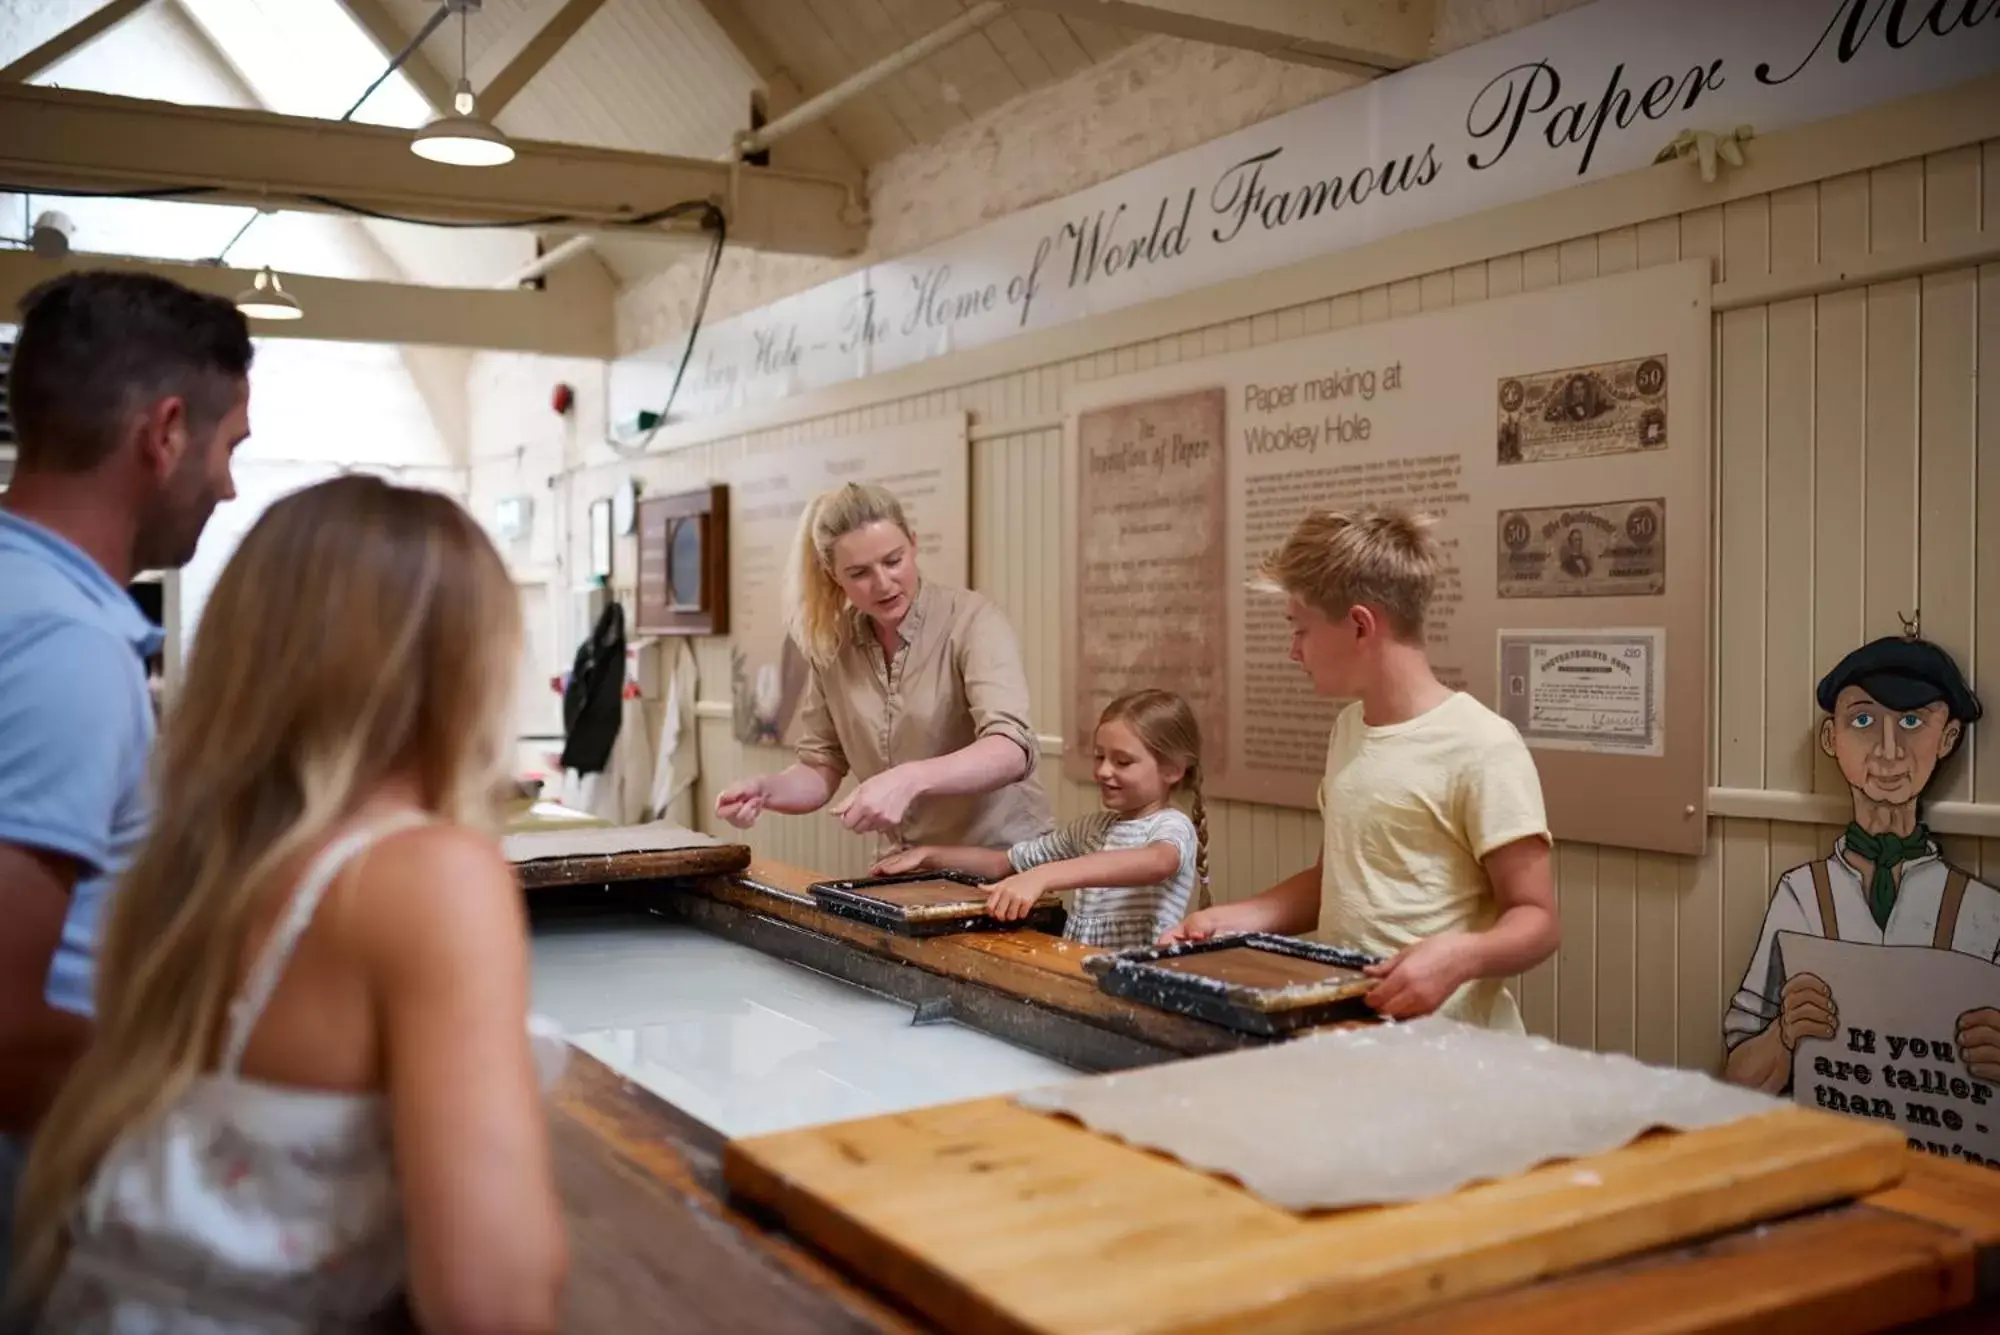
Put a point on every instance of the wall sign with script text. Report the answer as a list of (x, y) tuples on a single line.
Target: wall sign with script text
[(1575, 528), (1591, 93)]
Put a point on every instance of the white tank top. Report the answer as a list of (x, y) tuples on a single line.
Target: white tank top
[(246, 1206)]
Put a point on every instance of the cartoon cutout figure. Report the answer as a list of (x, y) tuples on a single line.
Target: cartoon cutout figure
[(1895, 708)]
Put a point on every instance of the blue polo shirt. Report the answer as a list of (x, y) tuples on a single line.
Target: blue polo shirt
[(76, 727)]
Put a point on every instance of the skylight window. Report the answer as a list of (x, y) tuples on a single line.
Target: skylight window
[(308, 58)]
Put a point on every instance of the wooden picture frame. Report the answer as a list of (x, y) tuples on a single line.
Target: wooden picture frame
[(955, 902), (1299, 984), (684, 563)]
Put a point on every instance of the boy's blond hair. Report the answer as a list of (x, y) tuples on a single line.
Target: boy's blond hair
[(1377, 556)]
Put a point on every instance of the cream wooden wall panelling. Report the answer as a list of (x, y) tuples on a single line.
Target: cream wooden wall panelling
[(1947, 476), (1741, 400), (1540, 989), (1852, 460), (1788, 713)]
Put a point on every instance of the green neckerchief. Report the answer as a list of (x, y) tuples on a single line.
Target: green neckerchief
[(1887, 851)]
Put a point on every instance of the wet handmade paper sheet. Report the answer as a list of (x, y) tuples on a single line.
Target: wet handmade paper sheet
[(1392, 1113)]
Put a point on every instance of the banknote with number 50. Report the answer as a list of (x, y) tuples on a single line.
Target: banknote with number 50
[(1602, 549), (1584, 412)]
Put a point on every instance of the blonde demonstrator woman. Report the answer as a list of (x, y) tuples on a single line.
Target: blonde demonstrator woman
[(916, 689)]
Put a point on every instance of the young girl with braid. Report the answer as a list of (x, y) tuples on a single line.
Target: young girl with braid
[(1137, 865)]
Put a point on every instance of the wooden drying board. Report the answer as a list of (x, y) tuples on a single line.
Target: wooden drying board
[(649, 865), (931, 903), (989, 1218), (1257, 983)]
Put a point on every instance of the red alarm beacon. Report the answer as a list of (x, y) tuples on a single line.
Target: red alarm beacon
[(563, 399)]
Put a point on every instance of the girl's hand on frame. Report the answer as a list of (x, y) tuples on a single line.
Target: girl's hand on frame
[(905, 861), (1015, 898), (1198, 927)]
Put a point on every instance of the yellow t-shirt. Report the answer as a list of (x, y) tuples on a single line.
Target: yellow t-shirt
[(1409, 810)]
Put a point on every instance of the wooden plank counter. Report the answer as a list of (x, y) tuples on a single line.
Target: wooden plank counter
[(590, 853), (658, 1245), (625, 868), (653, 1244)]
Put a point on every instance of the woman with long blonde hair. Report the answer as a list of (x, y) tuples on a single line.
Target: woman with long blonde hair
[(913, 687), (312, 1084)]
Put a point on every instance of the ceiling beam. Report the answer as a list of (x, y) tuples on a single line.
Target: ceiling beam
[(540, 50), (79, 34), (56, 139), (562, 320), (389, 38), (813, 148), (1367, 37)]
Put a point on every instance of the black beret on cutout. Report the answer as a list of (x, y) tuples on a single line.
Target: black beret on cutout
[(1902, 673)]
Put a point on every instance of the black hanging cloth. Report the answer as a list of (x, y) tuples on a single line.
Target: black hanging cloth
[(594, 700)]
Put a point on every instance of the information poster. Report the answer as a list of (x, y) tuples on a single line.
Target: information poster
[(925, 464), (1148, 568), (1909, 1048), (1559, 440)]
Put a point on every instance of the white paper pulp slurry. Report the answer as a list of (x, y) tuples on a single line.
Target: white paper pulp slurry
[(751, 1044)]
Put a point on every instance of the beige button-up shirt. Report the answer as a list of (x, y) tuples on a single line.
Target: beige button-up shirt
[(956, 679)]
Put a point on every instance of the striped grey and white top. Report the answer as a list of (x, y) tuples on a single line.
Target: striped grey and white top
[(1120, 917)]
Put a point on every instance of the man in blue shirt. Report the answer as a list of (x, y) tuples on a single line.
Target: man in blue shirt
[(129, 394)]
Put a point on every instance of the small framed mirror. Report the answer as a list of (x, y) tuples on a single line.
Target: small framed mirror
[(684, 563)]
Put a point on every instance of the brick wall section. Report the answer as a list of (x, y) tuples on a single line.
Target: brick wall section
[(1463, 22)]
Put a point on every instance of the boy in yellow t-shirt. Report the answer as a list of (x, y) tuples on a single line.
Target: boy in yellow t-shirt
[(1436, 852)]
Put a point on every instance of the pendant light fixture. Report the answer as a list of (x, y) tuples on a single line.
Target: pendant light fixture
[(265, 299), (460, 137)]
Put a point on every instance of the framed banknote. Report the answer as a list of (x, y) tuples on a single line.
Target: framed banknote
[(1601, 549), (1577, 690), (1584, 412)]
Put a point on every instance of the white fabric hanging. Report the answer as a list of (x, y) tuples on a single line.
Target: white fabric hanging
[(679, 764)]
